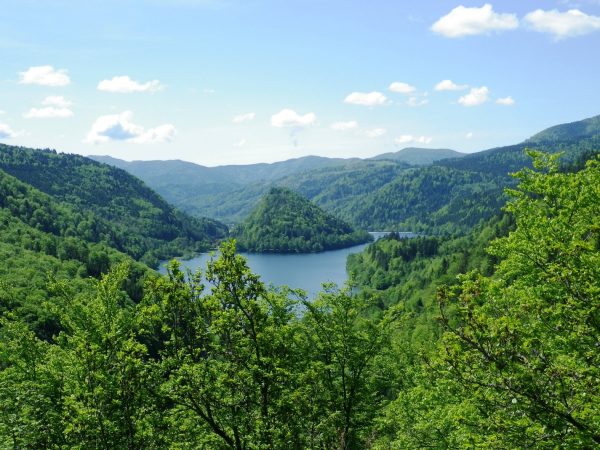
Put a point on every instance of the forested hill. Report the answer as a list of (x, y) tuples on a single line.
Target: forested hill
[(100, 203), (386, 193), (285, 222)]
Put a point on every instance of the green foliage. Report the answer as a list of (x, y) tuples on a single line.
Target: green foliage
[(70, 195), (383, 193), (518, 362), (285, 222)]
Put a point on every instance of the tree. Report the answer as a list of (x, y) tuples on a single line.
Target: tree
[(343, 346), (524, 344)]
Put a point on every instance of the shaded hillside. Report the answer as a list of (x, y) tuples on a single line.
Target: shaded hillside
[(420, 156), (109, 205), (384, 193), (285, 222), (581, 129)]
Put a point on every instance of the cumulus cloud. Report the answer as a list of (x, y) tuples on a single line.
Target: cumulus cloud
[(506, 101), (55, 107), (476, 96), (366, 98), (344, 126), (48, 112), (290, 118), (125, 85), (407, 138), (375, 132), (562, 24), (44, 76), (119, 127), (6, 132), (56, 100), (402, 88), (464, 21), (449, 85), (244, 117)]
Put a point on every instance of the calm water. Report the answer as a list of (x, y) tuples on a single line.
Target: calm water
[(305, 271)]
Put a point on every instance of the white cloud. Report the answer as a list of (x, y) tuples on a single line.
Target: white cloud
[(344, 126), (506, 101), (244, 117), (416, 101), (366, 98), (449, 85), (562, 24), (240, 143), (56, 100), (402, 88), (48, 112), (44, 76), (6, 132), (469, 135), (375, 132), (406, 138), (476, 96), (125, 85), (118, 127), (290, 118), (464, 21)]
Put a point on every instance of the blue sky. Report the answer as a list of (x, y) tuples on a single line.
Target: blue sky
[(234, 82)]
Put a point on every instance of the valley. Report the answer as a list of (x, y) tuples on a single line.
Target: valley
[(299, 225)]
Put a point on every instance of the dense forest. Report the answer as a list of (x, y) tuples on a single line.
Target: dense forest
[(285, 222), (388, 192), (506, 358), (74, 196)]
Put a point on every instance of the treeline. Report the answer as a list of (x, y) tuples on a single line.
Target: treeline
[(232, 368), (507, 357), (70, 195), (285, 222)]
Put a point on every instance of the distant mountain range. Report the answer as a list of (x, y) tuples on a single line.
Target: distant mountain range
[(438, 190)]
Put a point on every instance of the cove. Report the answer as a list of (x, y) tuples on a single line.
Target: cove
[(305, 271)]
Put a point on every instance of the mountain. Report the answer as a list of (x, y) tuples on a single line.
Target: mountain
[(102, 203), (419, 156), (385, 192), (285, 222), (582, 129)]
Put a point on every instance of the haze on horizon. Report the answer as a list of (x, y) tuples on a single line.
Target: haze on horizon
[(235, 82)]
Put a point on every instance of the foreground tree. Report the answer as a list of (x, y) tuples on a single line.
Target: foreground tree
[(518, 365), (525, 343)]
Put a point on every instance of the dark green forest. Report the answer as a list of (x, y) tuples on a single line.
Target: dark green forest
[(513, 364), (286, 222), (484, 335), (388, 192), (74, 196)]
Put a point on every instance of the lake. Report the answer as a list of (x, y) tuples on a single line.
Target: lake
[(306, 271)]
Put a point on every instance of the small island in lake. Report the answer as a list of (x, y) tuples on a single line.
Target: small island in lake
[(285, 222)]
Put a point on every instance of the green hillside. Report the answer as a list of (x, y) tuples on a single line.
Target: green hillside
[(383, 192), (285, 222), (109, 205)]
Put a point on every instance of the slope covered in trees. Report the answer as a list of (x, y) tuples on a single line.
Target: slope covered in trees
[(512, 361), (285, 222), (389, 194), (74, 196)]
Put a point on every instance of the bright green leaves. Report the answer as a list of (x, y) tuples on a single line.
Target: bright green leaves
[(525, 344)]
